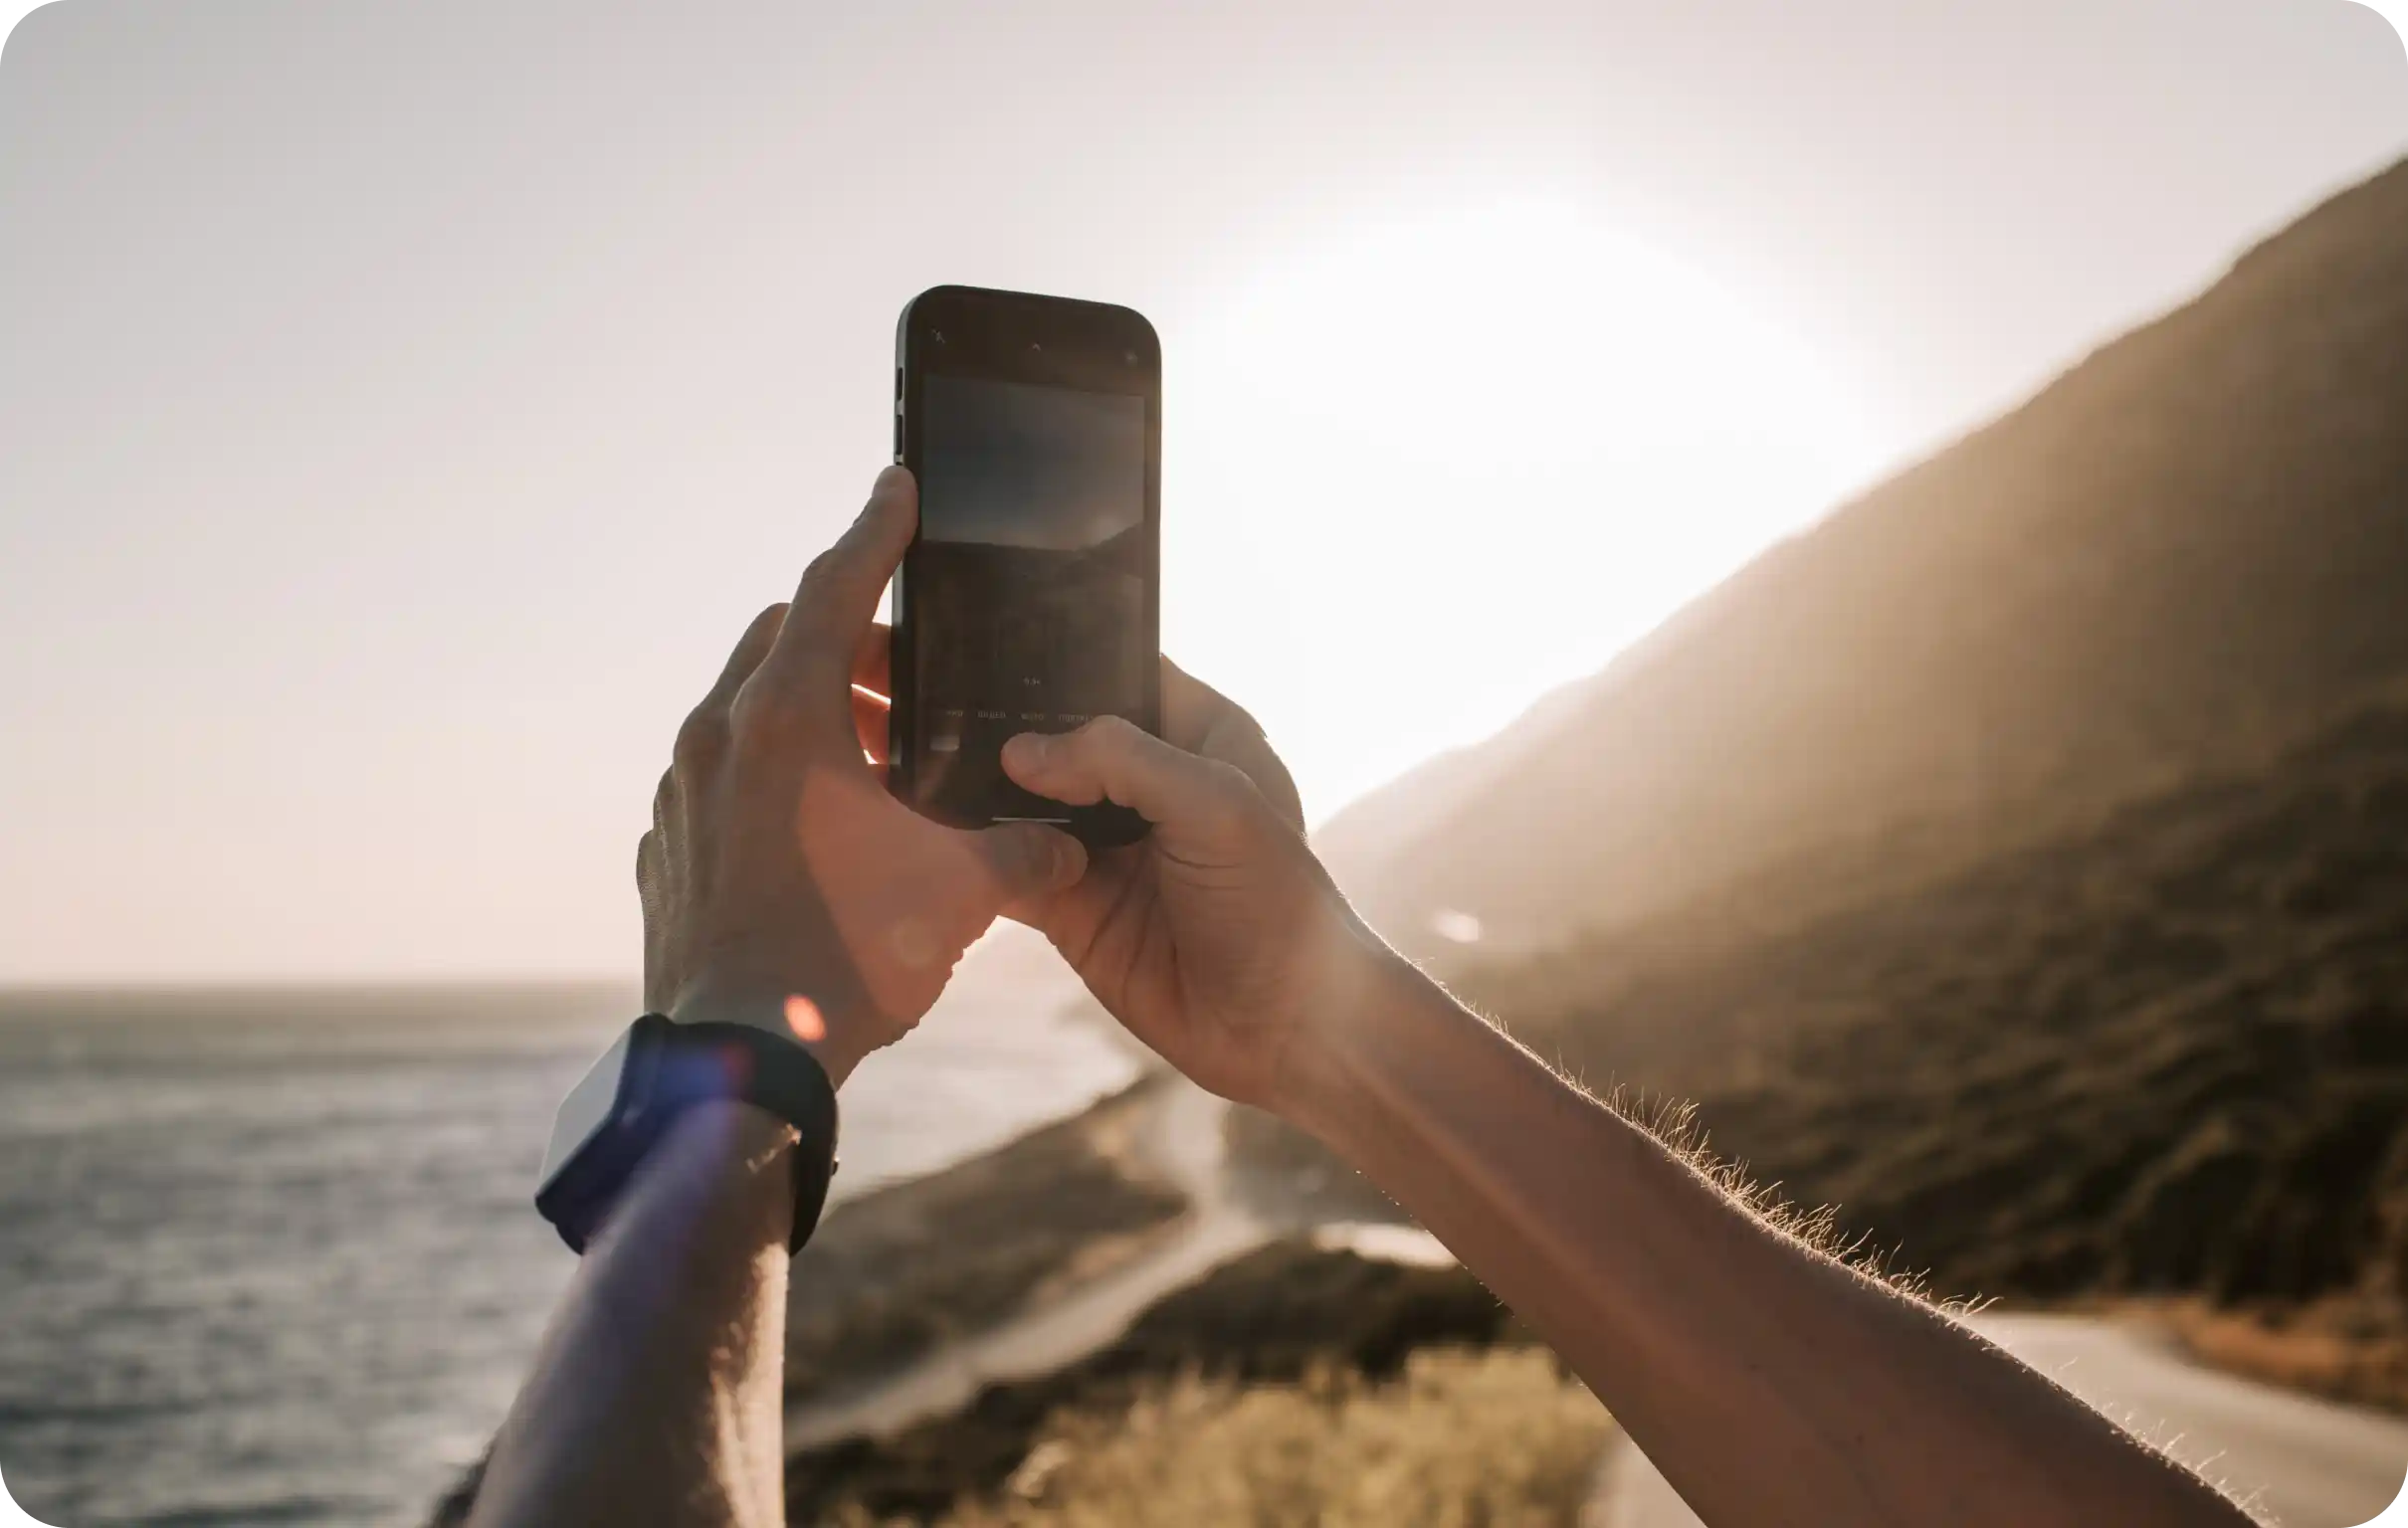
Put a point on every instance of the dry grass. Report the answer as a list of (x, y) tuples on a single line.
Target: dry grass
[(2350, 1349), (1497, 1438), (1329, 1337)]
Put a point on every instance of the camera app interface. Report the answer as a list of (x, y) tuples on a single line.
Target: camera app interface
[(1031, 580)]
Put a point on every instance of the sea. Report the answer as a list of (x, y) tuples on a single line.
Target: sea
[(268, 1258)]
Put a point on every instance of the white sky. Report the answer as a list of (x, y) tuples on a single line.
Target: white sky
[(403, 407)]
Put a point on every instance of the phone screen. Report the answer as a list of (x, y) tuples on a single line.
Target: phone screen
[(1030, 581)]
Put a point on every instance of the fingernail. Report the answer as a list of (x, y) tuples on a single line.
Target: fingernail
[(1030, 750)]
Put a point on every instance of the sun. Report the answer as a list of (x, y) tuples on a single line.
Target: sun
[(1425, 470)]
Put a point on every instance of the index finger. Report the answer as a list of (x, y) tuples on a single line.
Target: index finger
[(838, 597)]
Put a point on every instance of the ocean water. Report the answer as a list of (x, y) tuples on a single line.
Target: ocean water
[(270, 1258)]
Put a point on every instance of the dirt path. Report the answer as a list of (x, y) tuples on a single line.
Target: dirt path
[(2310, 1464), (1183, 1137)]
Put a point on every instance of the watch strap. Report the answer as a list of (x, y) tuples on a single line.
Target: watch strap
[(771, 1072), (665, 1068)]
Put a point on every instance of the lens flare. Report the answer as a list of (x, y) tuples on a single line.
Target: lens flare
[(803, 1017)]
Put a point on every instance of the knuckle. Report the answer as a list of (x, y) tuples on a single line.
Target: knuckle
[(1229, 802), (762, 717), (824, 575), (1230, 782), (1109, 734), (752, 714), (701, 736), (1242, 719)]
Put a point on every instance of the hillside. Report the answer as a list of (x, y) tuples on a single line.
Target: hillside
[(2175, 558), (2166, 1055)]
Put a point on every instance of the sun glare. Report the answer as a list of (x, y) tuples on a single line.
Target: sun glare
[(1426, 472)]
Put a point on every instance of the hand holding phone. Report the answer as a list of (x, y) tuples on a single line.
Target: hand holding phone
[(778, 871), (1219, 941), (1030, 599)]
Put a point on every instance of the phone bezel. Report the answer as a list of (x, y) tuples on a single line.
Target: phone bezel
[(1018, 336)]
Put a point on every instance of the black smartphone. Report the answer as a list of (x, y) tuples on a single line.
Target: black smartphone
[(1030, 599)]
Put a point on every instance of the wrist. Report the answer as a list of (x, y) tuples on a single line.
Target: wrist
[(1332, 1062), (773, 1006), (1379, 1072), (741, 1151), (724, 1164)]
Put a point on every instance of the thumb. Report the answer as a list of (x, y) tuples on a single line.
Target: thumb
[(1112, 759), (1026, 861)]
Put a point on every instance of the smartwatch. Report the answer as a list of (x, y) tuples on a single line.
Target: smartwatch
[(653, 1074)]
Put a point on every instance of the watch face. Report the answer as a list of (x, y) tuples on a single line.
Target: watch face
[(587, 1106)]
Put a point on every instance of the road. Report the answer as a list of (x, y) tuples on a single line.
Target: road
[(2309, 1463)]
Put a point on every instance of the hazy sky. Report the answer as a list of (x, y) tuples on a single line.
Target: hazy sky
[(402, 408)]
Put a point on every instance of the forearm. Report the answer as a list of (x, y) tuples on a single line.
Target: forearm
[(655, 1395), (1769, 1383)]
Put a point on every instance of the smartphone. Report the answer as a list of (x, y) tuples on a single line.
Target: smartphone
[(1030, 599)]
